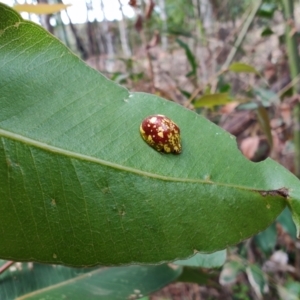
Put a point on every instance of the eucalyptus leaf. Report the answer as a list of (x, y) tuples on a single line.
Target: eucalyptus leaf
[(37, 281), (258, 280), (267, 97), (286, 294), (238, 67), (212, 260), (286, 222), (266, 240), (230, 272), (190, 56), (212, 100), (267, 31), (79, 186), (264, 121), (293, 289), (267, 10), (194, 275)]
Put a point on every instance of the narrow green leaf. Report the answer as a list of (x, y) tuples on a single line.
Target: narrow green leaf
[(24, 278), (242, 68), (79, 186), (194, 275), (258, 280), (190, 56), (248, 106), (185, 93), (57, 282), (212, 100), (295, 209), (286, 222), (267, 31), (264, 121), (290, 291), (267, 10), (286, 294), (266, 96), (213, 260)]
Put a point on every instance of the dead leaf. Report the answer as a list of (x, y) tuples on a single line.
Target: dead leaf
[(249, 146), (229, 107)]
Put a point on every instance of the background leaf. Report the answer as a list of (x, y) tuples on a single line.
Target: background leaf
[(258, 280), (267, 31), (36, 281), (212, 260), (266, 240), (230, 272), (267, 10), (286, 222), (193, 275), (212, 100), (242, 68), (291, 290), (264, 121), (190, 56)]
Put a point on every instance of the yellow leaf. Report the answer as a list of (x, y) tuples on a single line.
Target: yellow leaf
[(40, 8), (212, 100), (242, 68)]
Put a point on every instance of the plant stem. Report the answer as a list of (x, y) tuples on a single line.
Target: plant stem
[(293, 56), (242, 34)]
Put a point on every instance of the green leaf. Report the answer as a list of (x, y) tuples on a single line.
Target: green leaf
[(264, 121), (79, 186), (267, 31), (267, 97), (286, 294), (266, 240), (185, 93), (57, 282), (242, 68), (212, 100), (292, 290), (212, 260), (258, 280), (224, 88), (230, 272), (267, 10), (247, 106), (286, 222), (195, 275), (190, 56)]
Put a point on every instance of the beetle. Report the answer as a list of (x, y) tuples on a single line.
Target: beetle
[(161, 133)]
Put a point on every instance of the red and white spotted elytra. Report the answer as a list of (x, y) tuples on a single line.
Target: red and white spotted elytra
[(161, 133)]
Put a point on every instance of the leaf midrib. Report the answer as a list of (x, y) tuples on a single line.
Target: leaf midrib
[(79, 156)]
